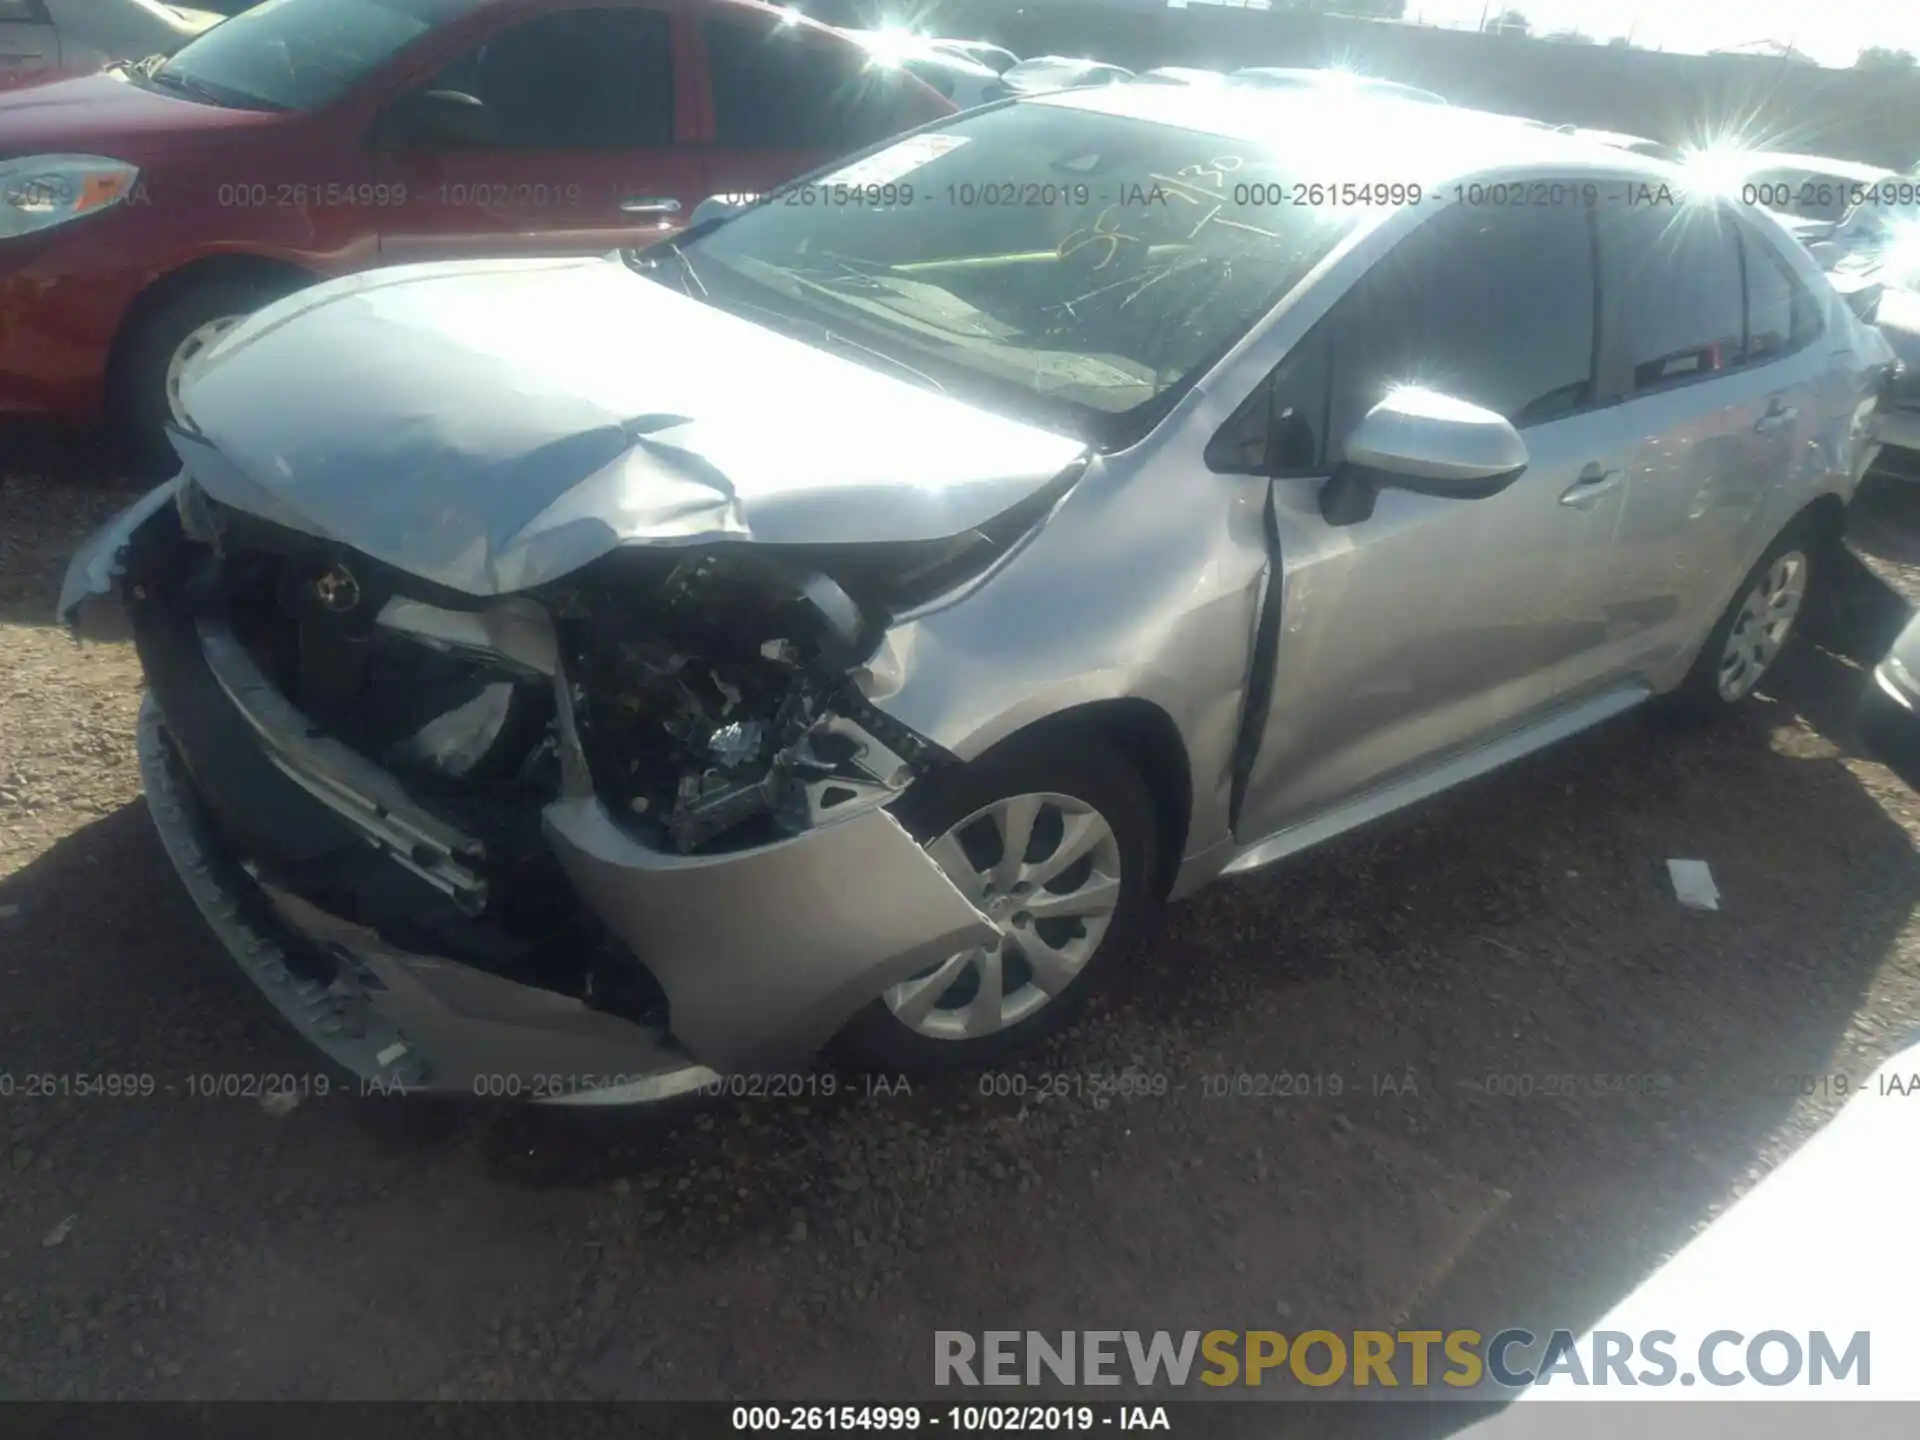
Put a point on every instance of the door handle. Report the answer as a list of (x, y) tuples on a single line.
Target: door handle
[(650, 205), (1592, 483), (1777, 417)]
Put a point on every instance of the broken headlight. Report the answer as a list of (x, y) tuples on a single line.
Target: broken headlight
[(713, 700)]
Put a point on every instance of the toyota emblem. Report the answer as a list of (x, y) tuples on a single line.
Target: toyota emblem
[(337, 590)]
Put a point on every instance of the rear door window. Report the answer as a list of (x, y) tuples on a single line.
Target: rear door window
[(1782, 315), (1674, 303)]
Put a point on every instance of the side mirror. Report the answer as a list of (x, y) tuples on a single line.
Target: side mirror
[(440, 119), (1429, 443), (716, 206)]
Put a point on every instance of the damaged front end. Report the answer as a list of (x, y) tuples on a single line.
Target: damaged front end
[(604, 837)]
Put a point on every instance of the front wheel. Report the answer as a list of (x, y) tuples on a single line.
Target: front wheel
[(1055, 842)]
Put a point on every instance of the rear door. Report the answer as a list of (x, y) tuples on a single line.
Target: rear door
[(587, 153), (783, 99), (1709, 346), (28, 46)]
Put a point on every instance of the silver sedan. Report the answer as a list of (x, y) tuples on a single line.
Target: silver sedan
[(845, 624)]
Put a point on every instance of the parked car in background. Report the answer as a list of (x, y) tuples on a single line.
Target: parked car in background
[(144, 213), (853, 620), (1637, 144), (1889, 713), (965, 82), (42, 39), (1276, 77), (996, 58), (1180, 75), (1896, 312), (1812, 192), (1059, 72)]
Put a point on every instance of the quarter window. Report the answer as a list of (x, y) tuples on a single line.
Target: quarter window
[(1675, 305), (576, 80)]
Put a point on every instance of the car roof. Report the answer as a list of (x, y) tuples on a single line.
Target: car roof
[(1390, 138)]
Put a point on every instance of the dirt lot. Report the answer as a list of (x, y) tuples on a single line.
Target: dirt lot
[(363, 1248)]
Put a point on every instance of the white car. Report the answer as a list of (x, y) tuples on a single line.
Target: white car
[(996, 58), (40, 39), (1813, 192), (1638, 144), (965, 82), (1060, 72), (1180, 75)]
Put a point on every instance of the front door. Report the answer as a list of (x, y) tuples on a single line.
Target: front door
[(1439, 624), (584, 151)]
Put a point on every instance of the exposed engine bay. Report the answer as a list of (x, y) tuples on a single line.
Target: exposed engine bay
[(707, 696), (713, 704)]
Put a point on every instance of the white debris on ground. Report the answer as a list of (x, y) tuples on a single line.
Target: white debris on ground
[(1693, 884)]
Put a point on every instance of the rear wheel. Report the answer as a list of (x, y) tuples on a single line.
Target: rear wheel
[(167, 344), (1766, 611), (1056, 843)]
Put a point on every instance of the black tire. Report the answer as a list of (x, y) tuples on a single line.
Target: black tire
[(1700, 694), (140, 382), (1083, 768)]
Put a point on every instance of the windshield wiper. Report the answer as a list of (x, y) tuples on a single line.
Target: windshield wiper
[(197, 89)]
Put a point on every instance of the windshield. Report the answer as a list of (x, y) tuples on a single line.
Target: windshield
[(1077, 268), (297, 54)]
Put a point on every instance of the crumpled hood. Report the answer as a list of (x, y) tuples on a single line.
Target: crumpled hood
[(493, 425)]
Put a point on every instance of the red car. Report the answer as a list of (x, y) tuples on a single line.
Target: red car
[(146, 209)]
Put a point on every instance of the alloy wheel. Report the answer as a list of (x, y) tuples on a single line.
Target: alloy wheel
[(1046, 870), (1762, 625)]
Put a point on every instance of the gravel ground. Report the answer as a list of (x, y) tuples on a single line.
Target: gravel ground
[(177, 1246)]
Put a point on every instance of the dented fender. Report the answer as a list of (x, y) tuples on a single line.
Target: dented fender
[(765, 953)]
